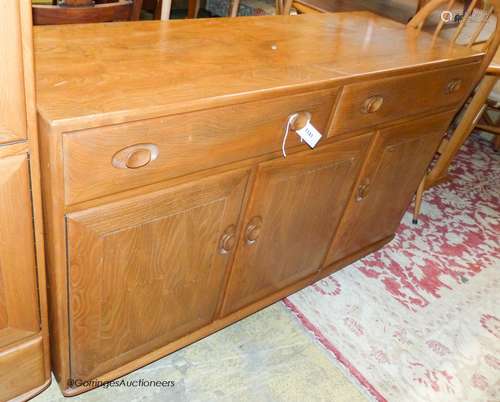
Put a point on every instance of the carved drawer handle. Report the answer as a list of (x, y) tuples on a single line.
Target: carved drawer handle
[(300, 120), (253, 230), (135, 156), (453, 86), (363, 189), (372, 104), (227, 240)]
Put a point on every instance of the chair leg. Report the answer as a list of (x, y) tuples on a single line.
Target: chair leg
[(418, 200), (235, 5), (496, 143), (166, 7), (464, 128)]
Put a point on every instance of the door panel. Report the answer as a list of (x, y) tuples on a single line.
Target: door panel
[(294, 209), (12, 100), (19, 315), (146, 271), (389, 180)]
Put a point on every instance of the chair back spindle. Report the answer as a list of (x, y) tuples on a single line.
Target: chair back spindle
[(476, 27)]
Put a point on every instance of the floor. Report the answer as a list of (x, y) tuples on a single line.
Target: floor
[(266, 357)]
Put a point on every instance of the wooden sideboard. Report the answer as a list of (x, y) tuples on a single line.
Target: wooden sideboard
[(24, 348), (170, 210)]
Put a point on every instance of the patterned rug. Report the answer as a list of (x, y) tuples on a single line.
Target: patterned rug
[(419, 320)]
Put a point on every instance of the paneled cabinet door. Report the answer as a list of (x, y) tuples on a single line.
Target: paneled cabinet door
[(389, 180), (12, 98), (21, 353), (19, 316), (294, 209), (148, 270)]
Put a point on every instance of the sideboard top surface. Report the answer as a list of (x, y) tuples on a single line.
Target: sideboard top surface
[(108, 73)]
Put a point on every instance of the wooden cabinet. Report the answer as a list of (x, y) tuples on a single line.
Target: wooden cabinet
[(170, 209), (395, 166), (24, 349), (294, 209), (146, 271)]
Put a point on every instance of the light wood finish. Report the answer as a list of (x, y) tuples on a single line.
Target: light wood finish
[(121, 10), (12, 99), (374, 103), (22, 369), (131, 161), (164, 250), (24, 354), (18, 288), (467, 124), (386, 186), (294, 209), (67, 100), (185, 144)]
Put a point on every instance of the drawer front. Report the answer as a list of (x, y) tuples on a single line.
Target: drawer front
[(21, 369), (372, 103), (107, 160)]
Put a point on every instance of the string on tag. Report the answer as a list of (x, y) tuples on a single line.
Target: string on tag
[(291, 118)]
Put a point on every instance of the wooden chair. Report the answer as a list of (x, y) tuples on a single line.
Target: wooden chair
[(469, 31), (85, 11)]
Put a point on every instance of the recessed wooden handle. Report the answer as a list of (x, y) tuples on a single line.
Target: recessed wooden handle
[(453, 86), (300, 120), (253, 230), (135, 156), (227, 240), (372, 104), (363, 189)]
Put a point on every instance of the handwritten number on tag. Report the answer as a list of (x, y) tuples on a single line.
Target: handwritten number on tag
[(309, 134)]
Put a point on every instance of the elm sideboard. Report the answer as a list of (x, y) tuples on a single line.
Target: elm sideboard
[(170, 209)]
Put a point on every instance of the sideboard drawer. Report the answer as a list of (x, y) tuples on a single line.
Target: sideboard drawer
[(371, 103), (111, 159)]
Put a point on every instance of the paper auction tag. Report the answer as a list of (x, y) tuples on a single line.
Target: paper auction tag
[(309, 134)]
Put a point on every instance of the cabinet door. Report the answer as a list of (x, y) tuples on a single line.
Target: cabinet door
[(19, 316), (148, 270), (390, 177), (12, 98), (21, 353), (294, 209)]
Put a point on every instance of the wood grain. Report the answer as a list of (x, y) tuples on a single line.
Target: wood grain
[(21, 369), (186, 143), (299, 201), (18, 293), (390, 176), (166, 57), (117, 237), (24, 347), (12, 101), (402, 96), (147, 270)]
